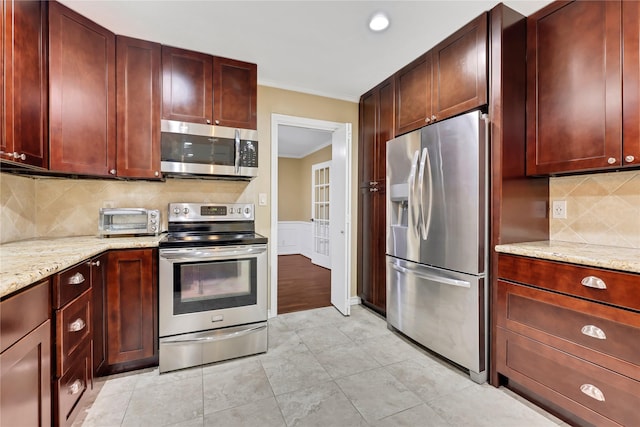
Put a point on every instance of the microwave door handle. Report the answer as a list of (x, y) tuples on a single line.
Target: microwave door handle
[(237, 157)]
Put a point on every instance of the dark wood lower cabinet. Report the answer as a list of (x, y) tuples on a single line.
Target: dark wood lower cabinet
[(25, 358), (99, 292), (564, 340), (131, 310)]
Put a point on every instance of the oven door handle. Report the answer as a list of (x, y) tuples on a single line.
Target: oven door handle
[(216, 337), (207, 254)]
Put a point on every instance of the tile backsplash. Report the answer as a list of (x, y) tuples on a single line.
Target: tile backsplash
[(52, 207), (602, 209)]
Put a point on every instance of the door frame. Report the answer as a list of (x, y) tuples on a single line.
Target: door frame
[(281, 119)]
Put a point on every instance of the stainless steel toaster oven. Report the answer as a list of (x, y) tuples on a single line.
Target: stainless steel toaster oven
[(128, 221)]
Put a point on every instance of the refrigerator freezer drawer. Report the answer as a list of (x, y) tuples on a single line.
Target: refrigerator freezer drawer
[(441, 310)]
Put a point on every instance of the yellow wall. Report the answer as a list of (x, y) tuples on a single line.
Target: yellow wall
[(294, 185)]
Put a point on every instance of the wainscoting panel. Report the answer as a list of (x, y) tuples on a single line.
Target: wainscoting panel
[(294, 237)]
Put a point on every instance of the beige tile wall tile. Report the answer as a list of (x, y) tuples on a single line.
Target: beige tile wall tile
[(602, 209), (18, 201), (70, 207)]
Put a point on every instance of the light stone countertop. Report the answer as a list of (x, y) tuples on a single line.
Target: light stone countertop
[(611, 257), (25, 262)]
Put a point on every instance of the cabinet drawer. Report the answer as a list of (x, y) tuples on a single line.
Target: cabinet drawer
[(71, 387), (616, 288), (595, 394), (73, 331), (15, 321), (605, 335), (70, 283)]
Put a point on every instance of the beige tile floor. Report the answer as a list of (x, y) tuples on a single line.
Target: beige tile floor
[(321, 369)]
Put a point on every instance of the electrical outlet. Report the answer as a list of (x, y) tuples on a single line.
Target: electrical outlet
[(559, 209)]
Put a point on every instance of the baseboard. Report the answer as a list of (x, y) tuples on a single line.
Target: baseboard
[(355, 301)]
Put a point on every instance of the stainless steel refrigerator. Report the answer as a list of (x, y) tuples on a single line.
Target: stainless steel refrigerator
[(437, 239)]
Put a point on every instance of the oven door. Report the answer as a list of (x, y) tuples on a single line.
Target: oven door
[(212, 287)]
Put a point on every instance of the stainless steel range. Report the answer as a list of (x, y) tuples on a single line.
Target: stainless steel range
[(213, 285)]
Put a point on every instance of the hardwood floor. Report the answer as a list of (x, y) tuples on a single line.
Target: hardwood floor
[(301, 284)]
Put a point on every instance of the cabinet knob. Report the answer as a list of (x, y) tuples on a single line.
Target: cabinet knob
[(76, 279), (611, 160), (373, 182), (629, 159), (17, 155), (156, 173), (373, 190), (208, 121), (112, 171), (217, 122), (427, 120), (433, 117), (77, 325), (76, 387), (95, 263)]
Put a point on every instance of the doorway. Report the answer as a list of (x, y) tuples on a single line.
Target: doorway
[(339, 136)]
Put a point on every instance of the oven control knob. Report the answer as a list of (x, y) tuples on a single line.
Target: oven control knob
[(185, 210), (247, 211), (176, 211)]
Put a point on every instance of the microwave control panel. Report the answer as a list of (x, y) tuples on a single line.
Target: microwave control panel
[(249, 154)]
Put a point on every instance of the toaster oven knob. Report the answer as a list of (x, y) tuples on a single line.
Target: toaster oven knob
[(153, 221), (154, 228)]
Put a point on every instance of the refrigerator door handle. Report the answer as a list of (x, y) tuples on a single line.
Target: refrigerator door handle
[(439, 279), (425, 217), (413, 215)]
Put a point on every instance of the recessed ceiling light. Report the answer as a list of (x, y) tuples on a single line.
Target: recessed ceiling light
[(379, 22)]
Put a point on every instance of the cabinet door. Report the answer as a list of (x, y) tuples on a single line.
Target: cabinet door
[(25, 380), (631, 83), (235, 93), (24, 98), (460, 70), (82, 110), (414, 86), (132, 332), (99, 306), (187, 85), (573, 87), (376, 127), (138, 108)]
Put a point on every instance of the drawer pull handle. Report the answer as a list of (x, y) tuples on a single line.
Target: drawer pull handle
[(77, 325), (594, 282), (76, 387), (76, 279), (592, 391), (594, 332)]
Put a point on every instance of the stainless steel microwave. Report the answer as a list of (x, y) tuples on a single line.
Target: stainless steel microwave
[(199, 150), (128, 221)]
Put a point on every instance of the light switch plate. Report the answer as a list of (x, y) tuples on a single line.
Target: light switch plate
[(262, 199)]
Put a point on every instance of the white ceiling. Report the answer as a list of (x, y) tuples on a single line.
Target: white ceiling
[(298, 142), (316, 47)]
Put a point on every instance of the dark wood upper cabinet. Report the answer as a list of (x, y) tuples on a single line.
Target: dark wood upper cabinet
[(574, 86), (449, 79), (138, 108), (460, 70), (82, 102), (131, 309), (414, 92), (23, 125), (234, 93), (631, 83), (376, 128), (187, 85)]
